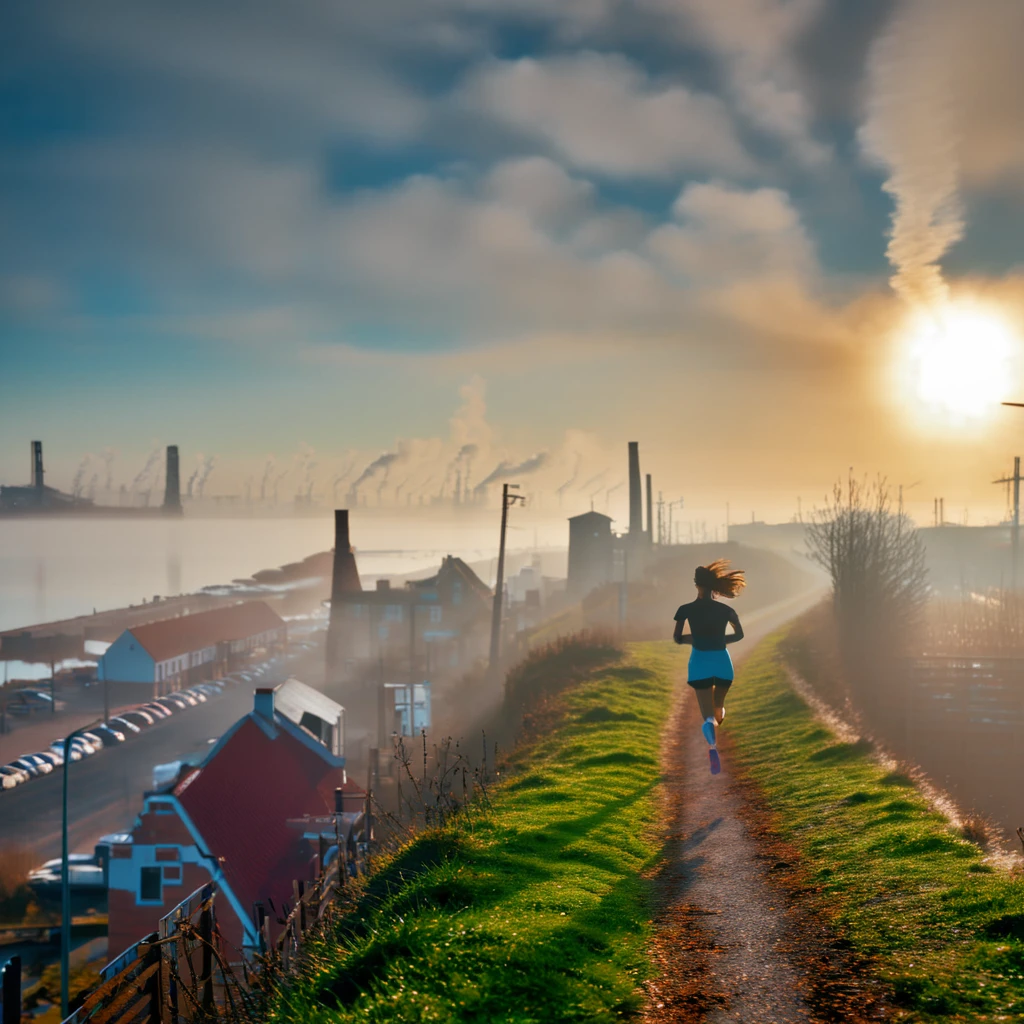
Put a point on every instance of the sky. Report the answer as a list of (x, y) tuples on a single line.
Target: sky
[(295, 237)]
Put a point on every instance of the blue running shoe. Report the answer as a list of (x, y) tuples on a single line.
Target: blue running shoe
[(708, 728), (716, 761)]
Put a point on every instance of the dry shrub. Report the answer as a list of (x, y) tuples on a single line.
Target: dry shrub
[(976, 829), (547, 670)]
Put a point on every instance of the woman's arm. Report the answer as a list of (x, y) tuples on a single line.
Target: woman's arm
[(679, 636), (737, 633)]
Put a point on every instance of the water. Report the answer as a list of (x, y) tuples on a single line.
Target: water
[(57, 568)]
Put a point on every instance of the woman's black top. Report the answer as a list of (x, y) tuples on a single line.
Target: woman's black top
[(708, 619)]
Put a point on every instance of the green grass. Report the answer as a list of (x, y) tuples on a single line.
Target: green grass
[(536, 911), (900, 884)]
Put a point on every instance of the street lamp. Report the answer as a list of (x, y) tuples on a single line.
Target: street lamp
[(65, 880)]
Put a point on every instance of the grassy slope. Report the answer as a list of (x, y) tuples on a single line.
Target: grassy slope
[(540, 912), (901, 885)]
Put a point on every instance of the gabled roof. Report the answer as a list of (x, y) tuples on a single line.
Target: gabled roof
[(169, 638), (454, 565), (260, 776)]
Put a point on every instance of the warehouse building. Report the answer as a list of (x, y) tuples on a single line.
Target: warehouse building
[(175, 653)]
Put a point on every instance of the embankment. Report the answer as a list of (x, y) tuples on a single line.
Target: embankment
[(931, 917), (534, 905)]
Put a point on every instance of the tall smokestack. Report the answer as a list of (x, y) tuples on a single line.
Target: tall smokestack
[(344, 580), (650, 511), (172, 489), (37, 465), (636, 501)]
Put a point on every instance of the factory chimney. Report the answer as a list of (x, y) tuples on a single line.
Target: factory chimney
[(636, 502), (650, 512), (37, 466), (172, 490), (344, 579)]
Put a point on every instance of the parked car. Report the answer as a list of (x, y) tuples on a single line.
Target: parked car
[(25, 702), (172, 704), (31, 768), (94, 739), (41, 765), (50, 755), (158, 711), (134, 721), (54, 865), (76, 750), (82, 878), (110, 735), (12, 771)]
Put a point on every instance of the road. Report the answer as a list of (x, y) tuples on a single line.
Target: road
[(105, 791)]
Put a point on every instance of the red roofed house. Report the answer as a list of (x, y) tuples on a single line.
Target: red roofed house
[(173, 653), (228, 820)]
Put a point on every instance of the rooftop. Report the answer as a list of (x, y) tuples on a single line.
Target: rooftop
[(169, 638)]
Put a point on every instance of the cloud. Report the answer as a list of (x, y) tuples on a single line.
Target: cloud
[(945, 105), (725, 234), (755, 40), (602, 113)]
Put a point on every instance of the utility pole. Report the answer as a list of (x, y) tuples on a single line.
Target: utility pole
[(1015, 522), (507, 501), (661, 519)]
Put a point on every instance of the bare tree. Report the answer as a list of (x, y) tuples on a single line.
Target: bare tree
[(876, 559)]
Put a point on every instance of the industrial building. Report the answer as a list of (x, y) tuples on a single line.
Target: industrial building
[(441, 622), (591, 553), (38, 499), (174, 653), (596, 555)]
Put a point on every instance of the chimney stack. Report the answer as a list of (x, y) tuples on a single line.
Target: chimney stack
[(650, 512), (345, 577), (37, 465), (263, 702), (636, 504), (172, 490), (344, 580)]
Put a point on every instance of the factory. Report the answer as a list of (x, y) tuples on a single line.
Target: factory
[(36, 498), (174, 653), (442, 621), (597, 555)]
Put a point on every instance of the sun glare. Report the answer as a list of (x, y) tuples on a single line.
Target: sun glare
[(958, 361)]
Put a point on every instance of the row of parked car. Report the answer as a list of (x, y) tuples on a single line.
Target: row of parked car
[(121, 727)]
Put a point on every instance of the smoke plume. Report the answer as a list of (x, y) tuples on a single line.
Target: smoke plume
[(504, 470), (267, 470), (911, 127), (143, 473), (381, 462)]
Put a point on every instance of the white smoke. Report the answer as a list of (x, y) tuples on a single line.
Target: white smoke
[(944, 105)]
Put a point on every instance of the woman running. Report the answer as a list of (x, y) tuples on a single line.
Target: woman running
[(710, 669)]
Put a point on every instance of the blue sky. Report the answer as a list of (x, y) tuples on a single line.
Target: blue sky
[(260, 228)]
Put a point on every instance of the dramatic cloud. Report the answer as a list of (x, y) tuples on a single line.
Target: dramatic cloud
[(755, 40), (726, 234), (945, 105), (603, 113)]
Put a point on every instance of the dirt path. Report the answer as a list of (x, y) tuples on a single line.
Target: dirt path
[(726, 955), (733, 942)]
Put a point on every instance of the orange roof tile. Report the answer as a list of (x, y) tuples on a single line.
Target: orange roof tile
[(169, 638)]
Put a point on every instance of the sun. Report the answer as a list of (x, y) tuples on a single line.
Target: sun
[(958, 360)]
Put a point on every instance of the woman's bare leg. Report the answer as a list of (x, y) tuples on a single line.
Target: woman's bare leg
[(719, 693), (706, 702)]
